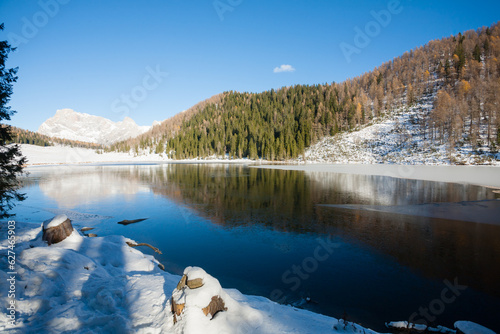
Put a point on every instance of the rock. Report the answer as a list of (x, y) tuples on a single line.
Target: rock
[(195, 283), (216, 305), (57, 229), (176, 309), (182, 282), (133, 221)]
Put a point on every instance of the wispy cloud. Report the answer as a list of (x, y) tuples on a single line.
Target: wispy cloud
[(284, 68)]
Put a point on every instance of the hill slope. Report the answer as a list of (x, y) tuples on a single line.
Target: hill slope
[(398, 137), (455, 79)]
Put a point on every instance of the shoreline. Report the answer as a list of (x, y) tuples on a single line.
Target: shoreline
[(485, 176), (481, 175)]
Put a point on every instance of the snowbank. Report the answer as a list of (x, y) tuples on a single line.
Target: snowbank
[(87, 285)]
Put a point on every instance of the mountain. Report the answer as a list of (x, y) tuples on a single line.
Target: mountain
[(447, 93), (69, 124)]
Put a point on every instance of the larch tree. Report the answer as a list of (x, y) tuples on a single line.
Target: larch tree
[(11, 159)]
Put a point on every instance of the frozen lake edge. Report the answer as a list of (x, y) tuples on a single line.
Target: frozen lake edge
[(488, 176)]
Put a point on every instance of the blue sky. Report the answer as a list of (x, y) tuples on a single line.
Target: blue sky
[(152, 59)]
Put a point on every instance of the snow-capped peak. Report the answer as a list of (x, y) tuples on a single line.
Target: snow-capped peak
[(69, 124)]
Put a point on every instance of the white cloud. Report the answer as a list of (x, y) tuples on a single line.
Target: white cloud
[(284, 68)]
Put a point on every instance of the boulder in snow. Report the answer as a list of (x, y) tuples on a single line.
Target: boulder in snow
[(57, 229)]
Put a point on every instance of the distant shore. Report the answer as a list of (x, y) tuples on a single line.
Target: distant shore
[(488, 176)]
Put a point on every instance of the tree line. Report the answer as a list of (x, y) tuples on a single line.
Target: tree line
[(21, 136)]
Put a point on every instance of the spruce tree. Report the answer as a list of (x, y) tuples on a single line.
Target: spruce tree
[(11, 159)]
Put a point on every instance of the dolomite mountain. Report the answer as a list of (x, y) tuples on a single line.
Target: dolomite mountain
[(69, 124)]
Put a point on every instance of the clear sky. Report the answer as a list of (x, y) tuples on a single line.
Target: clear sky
[(151, 59)]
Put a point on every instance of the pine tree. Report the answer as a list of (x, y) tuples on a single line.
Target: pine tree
[(11, 160), (476, 54)]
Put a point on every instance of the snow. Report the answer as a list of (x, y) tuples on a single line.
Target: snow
[(469, 327), (56, 221), (69, 124), (419, 327), (96, 285), (396, 137), (405, 324), (66, 155), (58, 154)]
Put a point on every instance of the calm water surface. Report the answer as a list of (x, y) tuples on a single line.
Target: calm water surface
[(292, 236)]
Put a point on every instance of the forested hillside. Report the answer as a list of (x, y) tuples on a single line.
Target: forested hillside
[(21, 136), (460, 74)]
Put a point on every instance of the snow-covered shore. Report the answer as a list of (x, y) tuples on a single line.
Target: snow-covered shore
[(97, 285), (65, 155)]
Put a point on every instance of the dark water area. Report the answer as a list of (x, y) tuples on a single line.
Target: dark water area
[(307, 239)]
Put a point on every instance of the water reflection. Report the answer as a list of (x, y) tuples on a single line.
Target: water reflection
[(287, 201), (75, 186)]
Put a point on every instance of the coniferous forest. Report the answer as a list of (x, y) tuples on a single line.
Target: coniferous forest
[(460, 73)]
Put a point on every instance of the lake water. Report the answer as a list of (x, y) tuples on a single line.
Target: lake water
[(293, 236)]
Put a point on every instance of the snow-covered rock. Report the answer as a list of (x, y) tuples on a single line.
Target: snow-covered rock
[(197, 291), (57, 229), (69, 124)]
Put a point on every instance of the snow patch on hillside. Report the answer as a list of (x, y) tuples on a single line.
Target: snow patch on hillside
[(397, 138)]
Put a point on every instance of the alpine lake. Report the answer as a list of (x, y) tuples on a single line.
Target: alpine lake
[(319, 241)]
